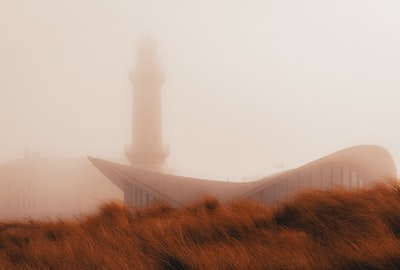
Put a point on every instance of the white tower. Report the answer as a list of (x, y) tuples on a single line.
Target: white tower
[(147, 147)]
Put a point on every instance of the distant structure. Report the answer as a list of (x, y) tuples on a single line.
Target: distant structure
[(42, 187), (143, 182), (147, 149)]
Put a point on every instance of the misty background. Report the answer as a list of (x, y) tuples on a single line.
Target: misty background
[(251, 87)]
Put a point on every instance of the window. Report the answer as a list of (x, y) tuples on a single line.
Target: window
[(346, 175), (337, 169), (354, 179), (326, 179), (281, 190), (316, 176)]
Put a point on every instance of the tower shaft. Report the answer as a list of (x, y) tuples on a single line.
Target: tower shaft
[(147, 147)]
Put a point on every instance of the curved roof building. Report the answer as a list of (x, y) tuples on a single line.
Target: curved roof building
[(353, 167)]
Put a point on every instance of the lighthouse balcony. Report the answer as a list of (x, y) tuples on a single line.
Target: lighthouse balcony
[(146, 156)]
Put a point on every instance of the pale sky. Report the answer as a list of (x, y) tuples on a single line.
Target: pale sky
[(249, 85)]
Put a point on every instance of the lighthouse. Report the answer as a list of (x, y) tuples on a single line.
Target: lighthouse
[(146, 148)]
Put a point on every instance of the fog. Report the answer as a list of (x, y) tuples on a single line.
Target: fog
[(251, 87)]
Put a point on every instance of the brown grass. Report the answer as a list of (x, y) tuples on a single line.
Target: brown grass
[(334, 229)]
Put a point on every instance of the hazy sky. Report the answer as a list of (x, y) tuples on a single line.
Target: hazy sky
[(250, 84)]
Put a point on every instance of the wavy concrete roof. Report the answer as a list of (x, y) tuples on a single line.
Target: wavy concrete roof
[(375, 163)]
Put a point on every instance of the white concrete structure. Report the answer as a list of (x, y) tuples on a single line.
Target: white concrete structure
[(354, 167)]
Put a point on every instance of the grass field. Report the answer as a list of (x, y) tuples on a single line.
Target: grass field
[(334, 229)]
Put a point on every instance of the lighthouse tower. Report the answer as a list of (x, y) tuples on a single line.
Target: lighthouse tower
[(147, 149)]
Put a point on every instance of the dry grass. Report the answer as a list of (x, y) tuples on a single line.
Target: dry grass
[(333, 229)]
